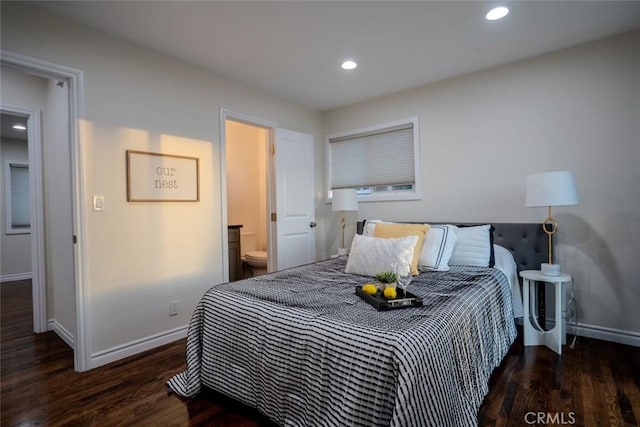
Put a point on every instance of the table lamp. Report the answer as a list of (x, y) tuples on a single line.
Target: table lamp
[(551, 189), (344, 199)]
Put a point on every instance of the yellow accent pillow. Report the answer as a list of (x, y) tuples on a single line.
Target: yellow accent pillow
[(387, 230)]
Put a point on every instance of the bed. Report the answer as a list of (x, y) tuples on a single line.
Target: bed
[(301, 347)]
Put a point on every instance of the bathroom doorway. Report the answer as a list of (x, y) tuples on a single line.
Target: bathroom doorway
[(248, 196)]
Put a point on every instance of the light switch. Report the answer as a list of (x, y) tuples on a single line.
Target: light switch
[(98, 203)]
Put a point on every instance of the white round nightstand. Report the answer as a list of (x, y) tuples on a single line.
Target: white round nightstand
[(534, 334)]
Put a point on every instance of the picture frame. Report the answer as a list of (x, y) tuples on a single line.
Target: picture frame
[(158, 177)]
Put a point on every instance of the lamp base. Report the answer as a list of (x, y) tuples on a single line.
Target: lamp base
[(550, 269), (342, 251)]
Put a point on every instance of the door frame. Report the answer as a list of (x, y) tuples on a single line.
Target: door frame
[(33, 66), (226, 114)]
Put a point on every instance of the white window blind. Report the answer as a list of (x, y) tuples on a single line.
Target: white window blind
[(20, 213), (378, 157)]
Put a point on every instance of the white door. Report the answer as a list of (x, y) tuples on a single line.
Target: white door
[(295, 212)]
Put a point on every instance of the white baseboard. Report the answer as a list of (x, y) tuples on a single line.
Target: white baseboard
[(138, 346), (15, 277), (606, 334), (61, 331)]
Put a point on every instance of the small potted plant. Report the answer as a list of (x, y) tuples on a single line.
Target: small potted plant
[(386, 278), (387, 281)]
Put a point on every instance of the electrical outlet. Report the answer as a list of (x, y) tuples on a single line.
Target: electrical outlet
[(173, 308)]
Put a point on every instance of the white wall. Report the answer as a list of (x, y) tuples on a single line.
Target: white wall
[(15, 249), (483, 133), (140, 256)]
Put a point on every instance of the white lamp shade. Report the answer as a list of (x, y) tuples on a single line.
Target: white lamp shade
[(551, 189), (344, 199)]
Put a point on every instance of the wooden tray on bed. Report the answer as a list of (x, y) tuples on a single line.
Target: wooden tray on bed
[(382, 304)]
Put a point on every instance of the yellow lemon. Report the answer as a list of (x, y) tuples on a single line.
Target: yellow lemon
[(369, 288), (390, 293)]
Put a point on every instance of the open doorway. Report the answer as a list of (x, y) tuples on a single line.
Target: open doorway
[(248, 196), (290, 210), (38, 226), (49, 95), (15, 217)]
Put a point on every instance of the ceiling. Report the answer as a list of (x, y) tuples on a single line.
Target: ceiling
[(294, 49)]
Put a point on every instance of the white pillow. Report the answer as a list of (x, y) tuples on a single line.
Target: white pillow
[(371, 255), (438, 247), (473, 246), (370, 226)]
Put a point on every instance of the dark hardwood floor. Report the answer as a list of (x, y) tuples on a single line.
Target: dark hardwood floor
[(595, 384)]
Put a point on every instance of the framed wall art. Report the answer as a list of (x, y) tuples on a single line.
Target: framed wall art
[(156, 177)]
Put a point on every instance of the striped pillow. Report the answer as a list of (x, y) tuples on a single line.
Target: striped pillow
[(438, 247)]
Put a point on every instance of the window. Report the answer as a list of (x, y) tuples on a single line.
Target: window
[(380, 162), (18, 210)]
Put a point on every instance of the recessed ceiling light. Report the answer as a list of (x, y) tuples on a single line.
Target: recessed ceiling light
[(18, 126), (497, 13), (349, 65)]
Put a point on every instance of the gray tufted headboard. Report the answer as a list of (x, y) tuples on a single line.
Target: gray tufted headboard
[(527, 242)]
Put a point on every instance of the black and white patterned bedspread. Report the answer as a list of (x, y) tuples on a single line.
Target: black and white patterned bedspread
[(303, 349)]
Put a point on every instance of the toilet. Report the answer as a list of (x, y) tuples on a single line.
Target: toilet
[(255, 259)]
